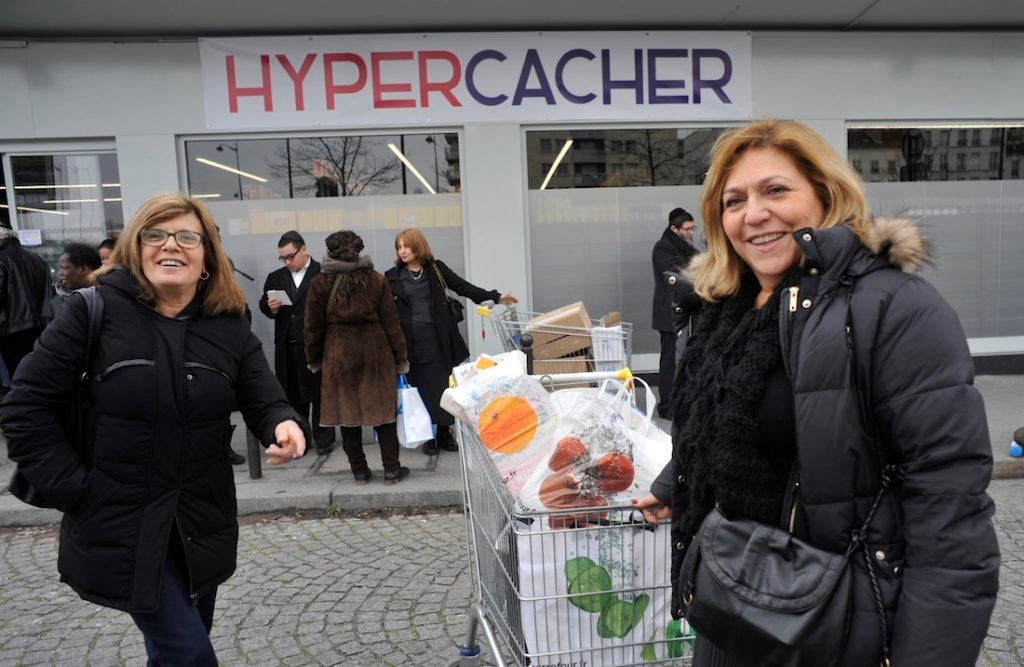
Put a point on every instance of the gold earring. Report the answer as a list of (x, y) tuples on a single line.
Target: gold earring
[(205, 275)]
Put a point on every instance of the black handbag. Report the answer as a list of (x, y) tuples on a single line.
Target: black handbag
[(769, 598), (455, 307), (76, 421)]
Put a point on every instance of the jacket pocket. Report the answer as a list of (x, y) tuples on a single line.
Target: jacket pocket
[(100, 489)]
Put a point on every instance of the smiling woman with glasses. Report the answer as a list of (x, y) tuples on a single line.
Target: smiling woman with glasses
[(151, 496)]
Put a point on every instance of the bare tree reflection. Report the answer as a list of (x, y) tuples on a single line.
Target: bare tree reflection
[(336, 166)]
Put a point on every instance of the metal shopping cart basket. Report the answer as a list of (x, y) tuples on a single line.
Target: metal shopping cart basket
[(525, 607), (589, 345)]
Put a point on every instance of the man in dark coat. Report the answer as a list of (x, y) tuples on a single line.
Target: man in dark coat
[(672, 252), (26, 293), (300, 384)]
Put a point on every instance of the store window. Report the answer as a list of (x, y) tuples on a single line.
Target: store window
[(596, 206), (998, 145), (61, 198), (967, 201), (323, 166), (649, 157), (373, 184)]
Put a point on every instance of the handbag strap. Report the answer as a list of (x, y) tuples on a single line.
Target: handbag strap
[(94, 306), (444, 286)]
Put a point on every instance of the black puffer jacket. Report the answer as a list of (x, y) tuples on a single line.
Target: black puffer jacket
[(163, 389), (26, 288), (857, 322)]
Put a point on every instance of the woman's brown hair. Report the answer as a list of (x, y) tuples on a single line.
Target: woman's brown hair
[(716, 273), (223, 296), (415, 241)]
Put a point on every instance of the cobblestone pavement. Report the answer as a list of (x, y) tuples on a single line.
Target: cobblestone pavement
[(388, 590)]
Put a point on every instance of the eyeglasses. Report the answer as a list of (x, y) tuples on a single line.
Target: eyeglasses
[(289, 257), (184, 238)]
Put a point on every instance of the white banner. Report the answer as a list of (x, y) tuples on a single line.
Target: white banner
[(453, 79)]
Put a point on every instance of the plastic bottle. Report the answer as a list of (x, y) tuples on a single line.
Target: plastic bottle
[(1016, 451)]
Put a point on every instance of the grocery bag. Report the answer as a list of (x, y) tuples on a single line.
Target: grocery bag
[(413, 419), (511, 414), (605, 452), (598, 596)]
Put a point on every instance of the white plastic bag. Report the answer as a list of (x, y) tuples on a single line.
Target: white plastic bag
[(511, 414), (413, 419), (598, 596), (605, 452)]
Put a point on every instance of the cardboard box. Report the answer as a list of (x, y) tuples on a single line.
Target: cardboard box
[(570, 365), (560, 332)]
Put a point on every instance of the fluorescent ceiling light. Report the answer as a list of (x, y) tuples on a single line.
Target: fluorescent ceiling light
[(42, 210), (79, 201), (55, 186), (554, 165), (218, 165), (415, 172), (930, 125), (208, 196), (111, 185)]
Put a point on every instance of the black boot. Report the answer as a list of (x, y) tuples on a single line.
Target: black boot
[(445, 439), (395, 475)]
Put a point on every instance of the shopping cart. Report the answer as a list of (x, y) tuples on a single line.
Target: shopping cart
[(517, 609), (565, 349)]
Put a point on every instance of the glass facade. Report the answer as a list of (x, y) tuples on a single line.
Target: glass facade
[(593, 224), (63, 198)]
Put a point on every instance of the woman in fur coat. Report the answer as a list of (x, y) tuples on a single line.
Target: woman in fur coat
[(353, 338)]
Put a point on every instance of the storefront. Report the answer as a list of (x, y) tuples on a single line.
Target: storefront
[(544, 164)]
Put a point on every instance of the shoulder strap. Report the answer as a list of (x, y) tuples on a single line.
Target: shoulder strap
[(94, 306), (334, 289), (440, 278)]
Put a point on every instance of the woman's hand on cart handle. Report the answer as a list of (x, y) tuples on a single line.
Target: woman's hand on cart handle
[(508, 298), (654, 510)]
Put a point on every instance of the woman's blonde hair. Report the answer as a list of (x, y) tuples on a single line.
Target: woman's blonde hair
[(223, 296), (716, 273), (415, 241)]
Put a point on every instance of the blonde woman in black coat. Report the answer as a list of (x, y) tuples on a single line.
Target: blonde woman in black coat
[(819, 366)]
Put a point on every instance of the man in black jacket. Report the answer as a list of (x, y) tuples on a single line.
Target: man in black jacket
[(300, 385), (26, 292), (673, 251)]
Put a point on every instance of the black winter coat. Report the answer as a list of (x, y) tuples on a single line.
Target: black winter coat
[(26, 289), (452, 343), (858, 325), (163, 389), (669, 253), (289, 323)]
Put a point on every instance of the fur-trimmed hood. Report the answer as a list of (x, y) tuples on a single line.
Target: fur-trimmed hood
[(899, 240)]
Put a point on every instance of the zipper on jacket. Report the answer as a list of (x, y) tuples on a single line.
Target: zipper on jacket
[(785, 325), (794, 295), (792, 511), (193, 597)]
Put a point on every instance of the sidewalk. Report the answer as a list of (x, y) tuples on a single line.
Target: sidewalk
[(324, 482)]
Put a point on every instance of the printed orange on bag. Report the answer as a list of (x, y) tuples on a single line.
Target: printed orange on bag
[(507, 424)]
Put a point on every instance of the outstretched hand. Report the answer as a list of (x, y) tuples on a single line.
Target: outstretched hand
[(654, 510), (291, 443), (507, 298)]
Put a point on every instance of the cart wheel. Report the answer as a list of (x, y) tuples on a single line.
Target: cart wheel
[(469, 657)]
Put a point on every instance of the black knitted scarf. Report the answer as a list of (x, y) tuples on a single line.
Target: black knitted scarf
[(721, 380)]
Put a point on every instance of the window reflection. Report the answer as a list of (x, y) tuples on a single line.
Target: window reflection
[(64, 198), (618, 158), (323, 166), (990, 158)]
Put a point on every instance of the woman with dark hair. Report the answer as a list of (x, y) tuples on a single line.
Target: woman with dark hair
[(150, 522), (418, 281), (353, 338), (827, 393)]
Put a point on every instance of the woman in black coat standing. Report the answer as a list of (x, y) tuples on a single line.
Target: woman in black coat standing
[(149, 522), (823, 376), (435, 343)]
